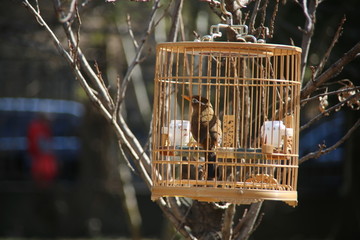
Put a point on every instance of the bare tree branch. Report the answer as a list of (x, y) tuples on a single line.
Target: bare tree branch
[(41, 21), (138, 81), (180, 212), (239, 225), (71, 12), (139, 51), (273, 17), (253, 16), (322, 150), (83, 61), (122, 131), (214, 4), (331, 72), (228, 222), (177, 223), (328, 51), (175, 21), (329, 93), (141, 159), (131, 33), (325, 113), (308, 31), (247, 223), (182, 29)]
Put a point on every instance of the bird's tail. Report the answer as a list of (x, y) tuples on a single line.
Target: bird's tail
[(211, 157)]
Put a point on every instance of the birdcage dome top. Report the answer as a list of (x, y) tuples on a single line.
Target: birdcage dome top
[(243, 48)]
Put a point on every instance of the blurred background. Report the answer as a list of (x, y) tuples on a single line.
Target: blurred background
[(73, 192)]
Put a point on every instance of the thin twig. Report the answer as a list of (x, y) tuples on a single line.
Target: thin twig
[(71, 13), (182, 28), (331, 72), (136, 149), (125, 157), (132, 65), (164, 14), (273, 18), (328, 51), (131, 33), (77, 35), (308, 31), (42, 23), (214, 5), (100, 86), (102, 82), (326, 113), (173, 33), (38, 11), (262, 30), (323, 150), (253, 16), (328, 84), (263, 12), (116, 111), (329, 93)]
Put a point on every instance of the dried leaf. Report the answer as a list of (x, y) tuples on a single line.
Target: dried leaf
[(323, 103), (322, 146), (353, 103)]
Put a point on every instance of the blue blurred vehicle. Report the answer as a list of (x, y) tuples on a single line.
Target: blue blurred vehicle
[(15, 116)]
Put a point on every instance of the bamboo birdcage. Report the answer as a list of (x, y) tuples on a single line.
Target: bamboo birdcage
[(254, 90)]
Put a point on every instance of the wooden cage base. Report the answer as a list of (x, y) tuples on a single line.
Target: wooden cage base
[(230, 195)]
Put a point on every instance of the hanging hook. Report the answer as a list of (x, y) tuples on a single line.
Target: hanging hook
[(229, 16), (240, 30)]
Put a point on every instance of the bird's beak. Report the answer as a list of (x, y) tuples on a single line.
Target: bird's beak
[(186, 97)]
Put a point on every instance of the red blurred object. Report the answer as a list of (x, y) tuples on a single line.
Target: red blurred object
[(44, 166), (39, 133), (44, 169)]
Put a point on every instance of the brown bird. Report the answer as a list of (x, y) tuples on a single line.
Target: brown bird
[(205, 128)]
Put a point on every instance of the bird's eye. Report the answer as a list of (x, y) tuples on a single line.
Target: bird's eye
[(194, 100)]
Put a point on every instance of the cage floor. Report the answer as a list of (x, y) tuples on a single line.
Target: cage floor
[(225, 184), (236, 195)]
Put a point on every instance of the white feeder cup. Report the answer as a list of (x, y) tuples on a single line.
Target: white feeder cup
[(273, 133), (179, 132)]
